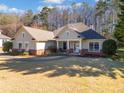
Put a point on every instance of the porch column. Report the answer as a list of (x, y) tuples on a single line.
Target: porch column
[(57, 45), (68, 45), (80, 44)]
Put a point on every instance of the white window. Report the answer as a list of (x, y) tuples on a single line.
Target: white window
[(4, 40), (94, 46), (20, 45)]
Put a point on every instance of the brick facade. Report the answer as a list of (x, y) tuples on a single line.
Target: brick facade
[(38, 52), (85, 52), (42, 51)]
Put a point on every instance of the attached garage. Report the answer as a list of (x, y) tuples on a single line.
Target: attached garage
[(34, 41)]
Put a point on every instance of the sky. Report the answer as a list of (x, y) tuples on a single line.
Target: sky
[(20, 6)]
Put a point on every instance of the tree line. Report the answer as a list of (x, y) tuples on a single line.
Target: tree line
[(53, 18), (48, 18)]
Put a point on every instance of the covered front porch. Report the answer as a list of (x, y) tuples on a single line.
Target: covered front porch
[(70, 46)]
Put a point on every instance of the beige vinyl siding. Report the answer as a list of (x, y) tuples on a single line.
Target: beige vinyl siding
[(85, 43), (26, 39), (45, 45), (68, 34)]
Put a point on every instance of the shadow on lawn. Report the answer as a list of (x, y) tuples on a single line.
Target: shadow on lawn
[(71, 66)]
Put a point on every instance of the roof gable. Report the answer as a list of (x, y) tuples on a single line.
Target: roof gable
[(78, 27), (19, 34)]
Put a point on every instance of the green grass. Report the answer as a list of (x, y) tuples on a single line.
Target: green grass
[(119, 55), (121, 49)]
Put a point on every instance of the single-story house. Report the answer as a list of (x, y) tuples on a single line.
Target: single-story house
[(3, 39), (78, 39), (33, 40)]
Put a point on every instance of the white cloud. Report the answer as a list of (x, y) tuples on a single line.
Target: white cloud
[(63, 6), (78, 4), (54, 1), (7, 9), (57, 6), (3, 7), (39, 8), (96, 0)]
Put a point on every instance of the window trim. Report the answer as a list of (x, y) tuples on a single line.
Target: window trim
[(94, 50), (4, 40), (18, 45)]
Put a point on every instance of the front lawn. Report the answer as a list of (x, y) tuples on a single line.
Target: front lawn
[(119, 55), (61, 74)]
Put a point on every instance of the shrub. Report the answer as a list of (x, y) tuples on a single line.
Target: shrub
[(25, 53), (7, 46), (19, 53), (15, 53), (109, 47)]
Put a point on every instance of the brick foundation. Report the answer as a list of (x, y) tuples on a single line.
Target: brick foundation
[(70, 50), (42, 51), (18, 50), (49, 51), (37, 52), (85, 52)]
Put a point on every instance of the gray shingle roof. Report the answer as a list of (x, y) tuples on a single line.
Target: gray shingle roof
[(83, 31), (4, 37), (39, 35), (91, 34)]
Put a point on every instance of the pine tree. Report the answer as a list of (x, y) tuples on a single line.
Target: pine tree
[(119, 30)]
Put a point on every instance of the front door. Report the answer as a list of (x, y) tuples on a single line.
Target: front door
[(76, 47), (64, 45)]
